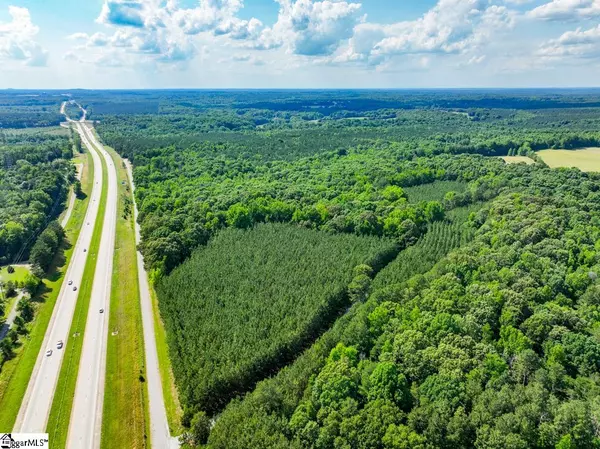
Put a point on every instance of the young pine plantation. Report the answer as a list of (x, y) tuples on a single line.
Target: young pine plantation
[(249, 302)]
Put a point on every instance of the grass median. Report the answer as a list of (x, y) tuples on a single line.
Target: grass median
[(60, 413), (125, 415), (16, 372)]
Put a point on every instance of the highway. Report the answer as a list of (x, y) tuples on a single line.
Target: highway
[(35, 408), (159, 426), (85, 422), (86, 415)]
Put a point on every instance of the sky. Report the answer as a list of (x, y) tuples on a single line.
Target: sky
[(126, 44)]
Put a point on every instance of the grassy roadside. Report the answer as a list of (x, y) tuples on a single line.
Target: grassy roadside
[(126, 413), (15, 374), (60, 412), (170, 395), (172, 405)]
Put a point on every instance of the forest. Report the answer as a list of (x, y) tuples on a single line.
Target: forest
[(35, 174), (29, 109), (357, 269), (250, 300), (476, 330)]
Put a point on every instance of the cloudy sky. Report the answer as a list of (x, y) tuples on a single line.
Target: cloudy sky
[(299, 43)]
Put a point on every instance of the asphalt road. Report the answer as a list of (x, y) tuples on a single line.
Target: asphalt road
[(86, 415), (35, 408), (10, 319), (159, 426)]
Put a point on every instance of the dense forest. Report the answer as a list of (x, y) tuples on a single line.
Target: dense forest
[(259, 209), (28, 109), (34, 178), (495, 347), (248, 302)]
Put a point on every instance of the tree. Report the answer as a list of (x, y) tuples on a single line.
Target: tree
[(31, 284), (6, 349), (200, 428), (77, 189), (26, 309)]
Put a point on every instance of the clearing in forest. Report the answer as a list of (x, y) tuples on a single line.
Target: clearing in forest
[(18, 275), (518, 159), (248, 303), (587, 159)]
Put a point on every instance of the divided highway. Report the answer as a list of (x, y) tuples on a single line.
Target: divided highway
[(85, 424), (35, 408), (86, 415)]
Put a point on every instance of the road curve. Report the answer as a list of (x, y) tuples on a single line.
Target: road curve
[(35, 408), (160, 436), (86, 415)]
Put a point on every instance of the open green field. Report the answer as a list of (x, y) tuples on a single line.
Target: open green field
[(16, 372), (17, 276), (587, 159), (125, 415), (60, 412), (518, 160)]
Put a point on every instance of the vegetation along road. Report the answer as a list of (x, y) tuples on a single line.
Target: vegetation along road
[(158, 415), (86, 414), (35, 408)]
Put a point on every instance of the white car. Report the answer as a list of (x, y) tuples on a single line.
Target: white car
[(48, 352), (70, 282), (101, 310), (60, 344)]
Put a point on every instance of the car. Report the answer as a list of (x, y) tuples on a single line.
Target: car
[(48, 352), (84, 250), (75, 288), (60, 344), (101, 310), (70, 282)]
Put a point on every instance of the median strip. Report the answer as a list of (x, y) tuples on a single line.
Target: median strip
[(58, 422), (125, 416)]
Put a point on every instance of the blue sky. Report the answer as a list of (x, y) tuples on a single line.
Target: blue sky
[(299, 43)]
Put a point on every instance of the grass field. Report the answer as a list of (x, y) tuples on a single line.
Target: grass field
[(15, 374), (18, 275), (125, 416), (587, 159), (60, 412), (518, 160)]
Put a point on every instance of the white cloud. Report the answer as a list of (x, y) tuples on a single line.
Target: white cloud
[(566, 10), (17, 39), (159, 31), (450, 27), (310, 28), (573, 44)]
